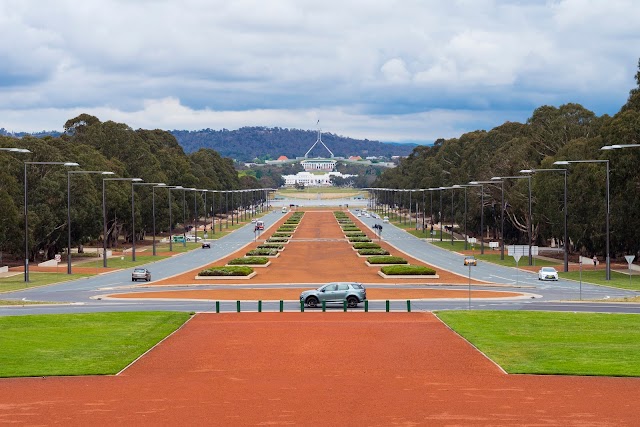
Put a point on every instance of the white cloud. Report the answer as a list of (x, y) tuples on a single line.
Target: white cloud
[(249, 62)]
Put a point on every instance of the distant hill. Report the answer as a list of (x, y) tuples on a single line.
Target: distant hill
[(248, 143)]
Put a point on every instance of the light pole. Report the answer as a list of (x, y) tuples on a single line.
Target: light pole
[(606, 162), (566, 238), (481, 185), (465, 212), (530, 226), (26, 211), (133, 215), (69, 212), (153, 212), (104, 213), (501, 209), (172, 187)]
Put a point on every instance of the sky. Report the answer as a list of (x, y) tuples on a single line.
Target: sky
[(386, 70)]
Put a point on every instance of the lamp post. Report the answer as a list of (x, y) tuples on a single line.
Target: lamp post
[(606, 162), (530, 226), (153, 212), (104, 213), (501, 207), (172, 187), (69, 212), (481, 185), (465, 211), (133, 215), (566, 238), (26, 205)]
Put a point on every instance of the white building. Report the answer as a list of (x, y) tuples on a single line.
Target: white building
[(309, 179), (318, 164)]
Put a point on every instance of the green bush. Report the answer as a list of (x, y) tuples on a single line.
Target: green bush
[(359, 239), (249, 260), (413, 270), (365, 245), (270, 246), (265, 252), (354, 234), (281, 235), (227, 271), (277, 239), (345, 229), (386, 260), (373, 251)]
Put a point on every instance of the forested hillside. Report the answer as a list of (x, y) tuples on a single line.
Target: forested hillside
[(152, 155), (569, 132), (249, 143)]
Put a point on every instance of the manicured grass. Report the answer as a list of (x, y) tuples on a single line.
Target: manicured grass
[(618, 280), (80, 344), (16, 283), (525, 342), (19, 302), (118, 262), (509, 261)]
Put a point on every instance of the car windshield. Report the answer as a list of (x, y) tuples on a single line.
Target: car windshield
[(548, 269), (139, 270)]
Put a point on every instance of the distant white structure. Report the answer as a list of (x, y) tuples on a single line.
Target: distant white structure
[(309, 179), (318, 164)]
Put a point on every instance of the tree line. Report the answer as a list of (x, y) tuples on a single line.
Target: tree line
[(152, 155), (567, 132)]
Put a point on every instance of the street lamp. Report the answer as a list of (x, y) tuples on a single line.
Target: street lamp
[(481, 185), (608, 259), (465, 211), (619, 146), (15, 150), (133, 214), (26, 212), (153, 212), (493, 181), (530, 227), (69, 212), (104, 212), (566, 238), (172, 187)]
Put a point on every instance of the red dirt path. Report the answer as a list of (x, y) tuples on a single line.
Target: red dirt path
[(318, 369)]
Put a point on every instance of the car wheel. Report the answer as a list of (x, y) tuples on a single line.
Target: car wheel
[(149, 279), (133, 280), (352, 302), (312, 302)]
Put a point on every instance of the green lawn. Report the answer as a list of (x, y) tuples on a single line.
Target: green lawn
[(618, 280), (118, 262), (553, 343), (16, 283), (80, 344)]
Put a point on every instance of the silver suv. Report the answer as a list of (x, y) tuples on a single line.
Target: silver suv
[(354, 293), (140, 274)]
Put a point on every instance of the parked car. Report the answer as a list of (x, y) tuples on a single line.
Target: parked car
[(470, 260), (140, 274), (191, 238), (206, 245), (385, 219), (548, 273), (354, 293)]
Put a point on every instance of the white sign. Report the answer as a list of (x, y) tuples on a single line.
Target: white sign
[(522, 250), (58, 257), (629, 258), (494, 244), (472, 240), (517, 257)]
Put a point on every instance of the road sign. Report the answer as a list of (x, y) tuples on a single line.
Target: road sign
[(58, 257), (517, 257), (522, 250), (472, 240), (629, 258)]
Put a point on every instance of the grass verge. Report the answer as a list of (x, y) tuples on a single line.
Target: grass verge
[(17, 283), (80, 344), (525, 342), (618, 280)]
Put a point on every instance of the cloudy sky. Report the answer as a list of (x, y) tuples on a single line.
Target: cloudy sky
[(389, 70)]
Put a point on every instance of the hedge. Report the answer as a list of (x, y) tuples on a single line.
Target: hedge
[(227, 271), (281, 235), (258, 252), (249, 260), (365, 245), (355, 234), (373, 251), (386, 260), (270, 246), (359, 239), (415, 270), (277, 239)]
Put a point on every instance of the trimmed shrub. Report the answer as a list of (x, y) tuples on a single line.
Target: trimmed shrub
[(373, 251), (350, 228), (386, 260), (264, 252), (277, 239), (249, 260), (270, 246), (359, 239), (365, 245), (227, 271), (354, 234), (414, 270), (281, 235)]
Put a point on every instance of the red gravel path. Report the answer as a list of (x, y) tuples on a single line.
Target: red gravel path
[(318, 369)]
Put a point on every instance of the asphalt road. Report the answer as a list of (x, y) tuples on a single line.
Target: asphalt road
[(78, 296)]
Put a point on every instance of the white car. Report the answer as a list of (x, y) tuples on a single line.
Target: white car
[(385, 219), (548, 273), (191, 238)]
